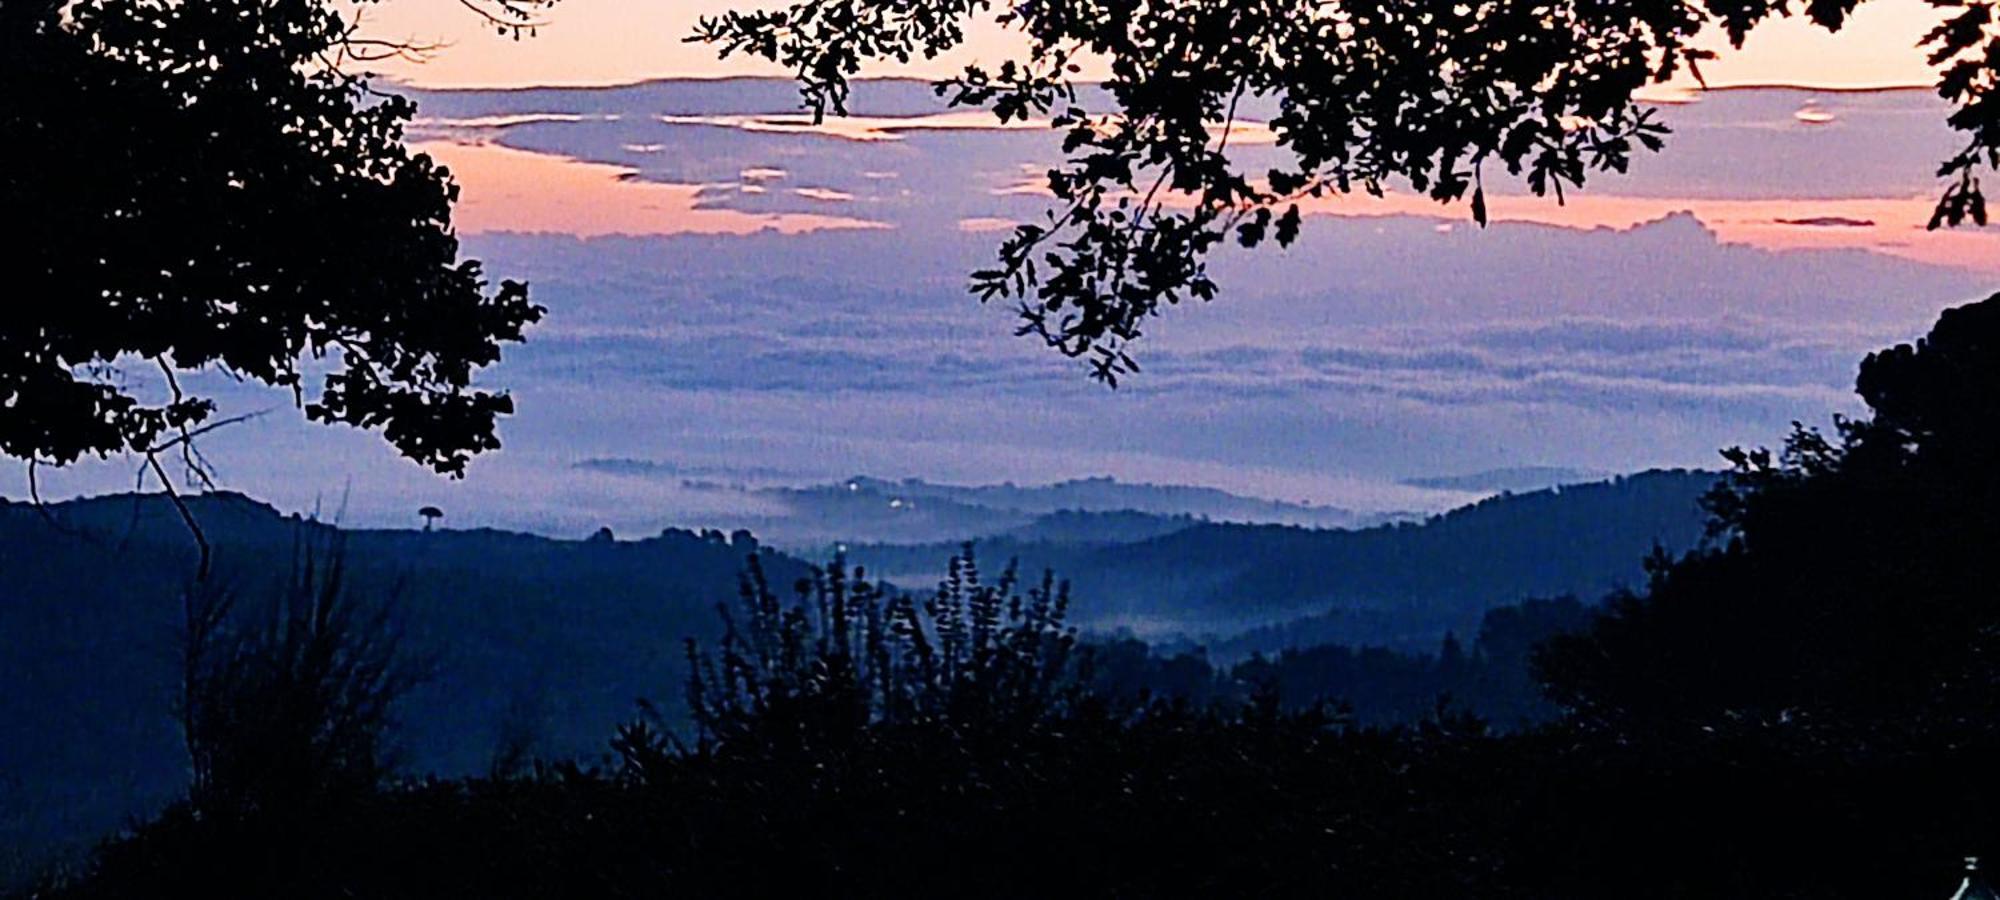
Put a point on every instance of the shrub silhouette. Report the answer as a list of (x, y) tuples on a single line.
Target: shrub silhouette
[(288, 703), (972, 652)]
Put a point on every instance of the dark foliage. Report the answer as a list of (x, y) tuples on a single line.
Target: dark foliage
[(1435, 96), (289, 701), (1492, 679), (809, 779), (1180, 801), (1850, 581), (1377, 686), (860, 743), (972, 654), (210, 191)]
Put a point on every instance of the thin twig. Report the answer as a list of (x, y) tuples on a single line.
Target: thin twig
[(191, 434), (191, 460), (42, 507), (519, 19), (199, 466)]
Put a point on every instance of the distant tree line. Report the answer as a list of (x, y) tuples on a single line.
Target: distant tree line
[(1491, 679)]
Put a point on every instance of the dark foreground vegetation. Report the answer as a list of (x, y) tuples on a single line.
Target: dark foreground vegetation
[(1804, 706), (541, 645)]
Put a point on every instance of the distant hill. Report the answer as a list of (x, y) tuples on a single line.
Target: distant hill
[(1399, 585), (1105, 494), (1079, 527), (866, 510), (1514, 479)]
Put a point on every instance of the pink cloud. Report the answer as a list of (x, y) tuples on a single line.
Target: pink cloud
[(509, 190)]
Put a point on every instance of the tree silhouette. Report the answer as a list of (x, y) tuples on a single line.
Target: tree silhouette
[(1436, 96), (209, 190), (430, 516), (1849, 581)]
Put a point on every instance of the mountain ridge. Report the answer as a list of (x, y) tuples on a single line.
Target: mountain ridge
[(1431, 577)]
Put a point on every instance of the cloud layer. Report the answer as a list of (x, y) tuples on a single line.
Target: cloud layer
[(783, 305)]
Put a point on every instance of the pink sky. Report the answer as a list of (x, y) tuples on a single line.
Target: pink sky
[(617, 41), (595, 42)]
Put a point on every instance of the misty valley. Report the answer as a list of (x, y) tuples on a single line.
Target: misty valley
[(929, 448)]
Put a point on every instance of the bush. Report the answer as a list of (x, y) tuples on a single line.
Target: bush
[(287, 705)]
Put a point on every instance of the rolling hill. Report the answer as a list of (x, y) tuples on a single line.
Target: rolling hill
[(1404, 584)]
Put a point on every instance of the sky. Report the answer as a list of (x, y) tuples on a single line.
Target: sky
[(736, 298), (598, 42)]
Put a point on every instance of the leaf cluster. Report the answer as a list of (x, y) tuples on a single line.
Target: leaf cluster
[(1433, 97), (210, 191)]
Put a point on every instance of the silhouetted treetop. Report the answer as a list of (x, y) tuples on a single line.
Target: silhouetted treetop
[(206, 189), (1942, 395), (1435, 95), (1850, 579)]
